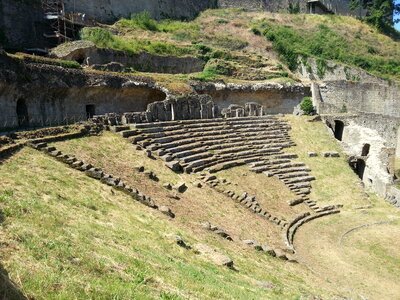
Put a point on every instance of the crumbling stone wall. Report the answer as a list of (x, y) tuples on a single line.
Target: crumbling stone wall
[(54, 96), (275, 98), (378, 173), (86, 52), (363, 97)]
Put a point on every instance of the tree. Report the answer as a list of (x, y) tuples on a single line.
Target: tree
[(379, 13)]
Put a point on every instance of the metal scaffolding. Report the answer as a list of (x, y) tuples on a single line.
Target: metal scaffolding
[(61, 26)]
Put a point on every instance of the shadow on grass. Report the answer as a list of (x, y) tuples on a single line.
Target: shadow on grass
[(8, 289)]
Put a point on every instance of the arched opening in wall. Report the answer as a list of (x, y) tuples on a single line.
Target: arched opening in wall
[(22, 113), (365, 149), (90, 110), (339, 128), (360, 168), (80, 60)]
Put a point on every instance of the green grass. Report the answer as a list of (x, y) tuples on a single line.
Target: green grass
[(103, 38), (337, 184), (145, 22), (48, 61), (69, 237)]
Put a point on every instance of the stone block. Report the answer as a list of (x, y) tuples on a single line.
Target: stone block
[(93, 173), (335, 154), (268, 250), (174, 166), (168, 186), (166, 211), (180, 187)]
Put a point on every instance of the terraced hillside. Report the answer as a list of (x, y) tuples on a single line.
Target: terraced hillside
[(236, 45), (104, 216)]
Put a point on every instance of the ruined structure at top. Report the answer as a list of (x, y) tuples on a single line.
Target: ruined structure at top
[(23, 22)]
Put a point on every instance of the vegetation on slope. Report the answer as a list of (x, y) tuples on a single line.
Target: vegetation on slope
[(66, 236), (237, 44), (337, 38), (82, 240), (105, 39), (224, 44)]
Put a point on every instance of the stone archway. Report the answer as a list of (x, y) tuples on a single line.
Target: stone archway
[(22, 113), (360, 168), (339, 128)]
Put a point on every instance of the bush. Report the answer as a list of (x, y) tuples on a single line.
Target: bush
[(307, 106), (144, 21), (140, 21), (256, 31)]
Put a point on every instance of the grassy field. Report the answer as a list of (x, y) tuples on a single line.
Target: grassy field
[(67, 236)]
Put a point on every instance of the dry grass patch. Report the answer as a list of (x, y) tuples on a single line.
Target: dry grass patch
[(335, 182), (67, 236), (118, 157)]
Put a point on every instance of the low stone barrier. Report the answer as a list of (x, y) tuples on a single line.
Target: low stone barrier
[(99, 174)]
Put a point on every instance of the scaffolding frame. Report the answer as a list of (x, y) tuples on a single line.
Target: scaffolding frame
[(54, 12)]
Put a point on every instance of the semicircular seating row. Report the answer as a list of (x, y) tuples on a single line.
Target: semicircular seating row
[(214, 144)]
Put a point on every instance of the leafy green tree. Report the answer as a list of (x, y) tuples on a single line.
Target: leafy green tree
[(379, 13)]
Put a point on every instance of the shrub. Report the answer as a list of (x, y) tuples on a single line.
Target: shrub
[(140, 21), (307, 106), (256, 31), (321, 68), (208, 74), (144, 21)]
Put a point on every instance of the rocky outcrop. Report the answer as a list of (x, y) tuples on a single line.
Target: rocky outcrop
[(87, 53)]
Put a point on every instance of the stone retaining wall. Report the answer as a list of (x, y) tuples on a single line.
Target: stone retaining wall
[(275, 98), (61, 96), (86, 52)]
